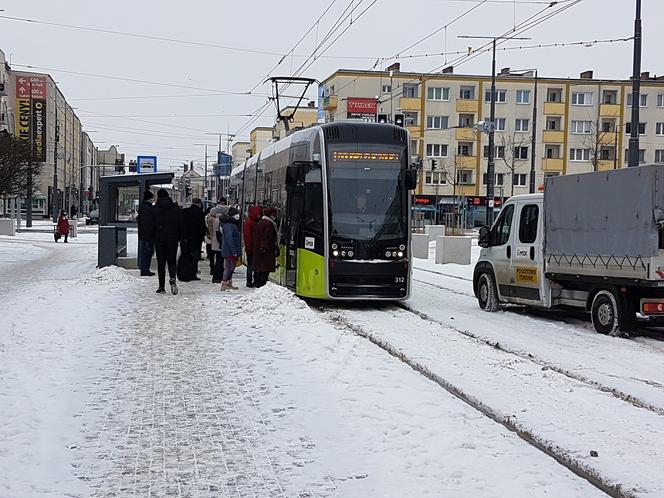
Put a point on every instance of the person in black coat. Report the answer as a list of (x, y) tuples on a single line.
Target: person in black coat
[(194, 230), (167, 235), (146, 234)]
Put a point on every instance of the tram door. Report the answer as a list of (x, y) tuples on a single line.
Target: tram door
[(294, 206)]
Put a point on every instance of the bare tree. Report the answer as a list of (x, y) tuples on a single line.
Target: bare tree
[(600, 136), (512, 144), (450, 173), (16, 164)]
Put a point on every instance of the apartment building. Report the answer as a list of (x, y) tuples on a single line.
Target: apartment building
[(582, 125), (6, 124)]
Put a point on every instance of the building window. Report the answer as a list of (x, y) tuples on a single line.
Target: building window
[(582, 98), (522, 125), (501, 124), (465, 149), (466, 120), (607, 154), (435, 178), (659, 156), (553, 124), (520, 180), (465, 177), (523, 96), (581, 127), (608, 125), (642, 128), (499, 179), (520, 152), (660, 100), (387, 88), (660, 128), (410, 91), (501, 96), (554, 95), (438, 93), (332, 90), (643, 99), (579, 155), (467, 93), (499, 151), (437, 122), (642, 155), (410, 118), (610, 97), (436, 150)]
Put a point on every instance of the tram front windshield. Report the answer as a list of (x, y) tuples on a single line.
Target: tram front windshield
[(366, 192)]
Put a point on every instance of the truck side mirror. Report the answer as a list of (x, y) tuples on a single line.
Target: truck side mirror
[(485, 237), (410, 178)]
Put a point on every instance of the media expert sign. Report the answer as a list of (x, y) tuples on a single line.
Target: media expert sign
[(146, 164), (361, 108), (31, 112)]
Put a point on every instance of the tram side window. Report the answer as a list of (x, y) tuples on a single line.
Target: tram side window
[(313, 201)]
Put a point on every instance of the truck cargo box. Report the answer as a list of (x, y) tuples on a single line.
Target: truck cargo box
[(605, 224)]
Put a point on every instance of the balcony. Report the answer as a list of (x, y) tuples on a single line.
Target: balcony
[(410, 103), (553, 136), (330, 102), (466, 190), (553, 164), (554, 108), (465, 162), (609, 110), (607, 165), (465, 134), (608, 138), (467, 106)]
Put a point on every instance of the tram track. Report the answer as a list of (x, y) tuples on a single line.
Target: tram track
[(512, 423)]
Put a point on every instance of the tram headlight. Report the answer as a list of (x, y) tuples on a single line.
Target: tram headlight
[(351, 254), (335, 246), (335, 254), (343, 254), (388, 254), (400, 254), (402, 247)]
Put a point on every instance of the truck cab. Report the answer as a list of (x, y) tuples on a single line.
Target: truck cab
[(511, 264)]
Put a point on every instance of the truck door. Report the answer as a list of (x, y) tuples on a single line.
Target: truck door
[(500, 250), (527, 259)]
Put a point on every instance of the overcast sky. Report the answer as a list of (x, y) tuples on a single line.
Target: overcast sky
[(194, 71)]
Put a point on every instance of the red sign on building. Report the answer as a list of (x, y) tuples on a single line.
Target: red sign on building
[(24, 84), (361, 108)]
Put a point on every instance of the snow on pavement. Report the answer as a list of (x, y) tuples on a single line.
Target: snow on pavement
[(108, 389)]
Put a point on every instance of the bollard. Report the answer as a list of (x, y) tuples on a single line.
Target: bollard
[(434, 231), (453, 250), (420, 246)]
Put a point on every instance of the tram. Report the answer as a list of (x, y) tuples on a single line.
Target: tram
[(342, 191)]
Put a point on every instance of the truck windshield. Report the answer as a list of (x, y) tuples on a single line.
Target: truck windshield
[(366, 192)]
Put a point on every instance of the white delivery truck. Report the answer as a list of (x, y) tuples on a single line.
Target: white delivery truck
[(592, 241)]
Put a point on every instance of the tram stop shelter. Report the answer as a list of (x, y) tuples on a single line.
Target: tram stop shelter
[(120, 197)]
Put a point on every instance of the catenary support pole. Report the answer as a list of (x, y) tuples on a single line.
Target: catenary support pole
[(636, 91)]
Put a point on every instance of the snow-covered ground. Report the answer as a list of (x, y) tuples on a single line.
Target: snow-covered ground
[(107, 389)]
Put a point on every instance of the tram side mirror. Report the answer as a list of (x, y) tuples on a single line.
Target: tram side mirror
[(485, 237), (410, 178)]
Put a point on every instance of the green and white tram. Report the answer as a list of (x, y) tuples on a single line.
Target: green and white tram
[(343, 195)]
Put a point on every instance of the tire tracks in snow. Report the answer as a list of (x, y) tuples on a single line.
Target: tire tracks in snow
[(511, 423)]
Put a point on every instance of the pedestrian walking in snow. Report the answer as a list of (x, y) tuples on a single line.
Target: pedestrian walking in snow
[(231, 246), (266, 249), (63, 226), (146, 234), (248, 234), (167, 235)]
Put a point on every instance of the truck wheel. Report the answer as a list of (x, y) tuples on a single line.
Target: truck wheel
[(605, 313), (487, 296)]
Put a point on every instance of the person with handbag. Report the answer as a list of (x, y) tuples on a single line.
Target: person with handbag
[(231, 247), (266, 249)]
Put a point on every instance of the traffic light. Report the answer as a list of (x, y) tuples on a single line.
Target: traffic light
[(187, 191), (399, 120), (382, 118), (434, 163), (132, 166)]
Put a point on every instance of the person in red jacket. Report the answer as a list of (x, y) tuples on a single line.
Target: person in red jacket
[(248, 236), (63, 225)]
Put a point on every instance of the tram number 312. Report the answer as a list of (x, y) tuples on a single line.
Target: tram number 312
[(399, 280)]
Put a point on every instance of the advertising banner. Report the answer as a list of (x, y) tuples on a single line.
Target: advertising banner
[(362, 108), (31, 117)]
